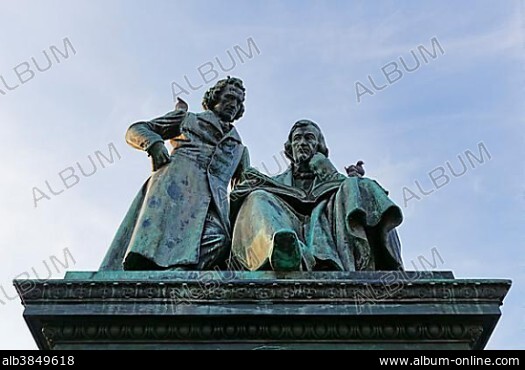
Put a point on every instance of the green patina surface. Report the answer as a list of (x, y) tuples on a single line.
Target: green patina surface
[(262, 310)]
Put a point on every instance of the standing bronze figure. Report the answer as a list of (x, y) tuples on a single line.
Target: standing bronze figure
[(180, 218)]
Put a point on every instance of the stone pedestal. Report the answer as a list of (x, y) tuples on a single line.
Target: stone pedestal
[(261, 310)]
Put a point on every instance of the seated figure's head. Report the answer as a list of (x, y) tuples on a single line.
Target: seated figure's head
[(226, 99), (304, 140)]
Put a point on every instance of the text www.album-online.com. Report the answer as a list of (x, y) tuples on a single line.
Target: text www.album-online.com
[(460, 361)]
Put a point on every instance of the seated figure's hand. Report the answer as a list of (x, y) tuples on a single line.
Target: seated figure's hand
[(159, 155), (322, 166), (316, 160)]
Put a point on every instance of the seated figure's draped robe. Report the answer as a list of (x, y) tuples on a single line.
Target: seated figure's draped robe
[(342, 223)]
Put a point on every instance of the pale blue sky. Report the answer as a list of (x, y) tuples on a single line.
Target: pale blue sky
[(128, 53)]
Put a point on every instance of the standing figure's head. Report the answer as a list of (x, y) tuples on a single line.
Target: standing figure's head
[(304, 140), (226, 99)]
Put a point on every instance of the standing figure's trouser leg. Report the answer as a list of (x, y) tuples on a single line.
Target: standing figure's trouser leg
[(214, 249)]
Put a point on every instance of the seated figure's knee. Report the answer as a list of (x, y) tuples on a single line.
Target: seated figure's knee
[(258, 197), (257, 194)]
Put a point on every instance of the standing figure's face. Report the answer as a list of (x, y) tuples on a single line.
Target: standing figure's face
[(229, 103), (304, 144)]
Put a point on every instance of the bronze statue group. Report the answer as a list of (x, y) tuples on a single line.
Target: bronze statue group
[(309, 218)]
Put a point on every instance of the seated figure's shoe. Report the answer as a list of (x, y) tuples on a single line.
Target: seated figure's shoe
[(286, 253)]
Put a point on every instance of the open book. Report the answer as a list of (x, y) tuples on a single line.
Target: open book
[(255, 180)]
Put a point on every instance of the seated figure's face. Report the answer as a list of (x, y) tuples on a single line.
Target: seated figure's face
[(229, 103), (304, 144)]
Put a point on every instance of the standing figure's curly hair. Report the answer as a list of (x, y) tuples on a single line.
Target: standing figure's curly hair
[(212, 95), (321, 146)]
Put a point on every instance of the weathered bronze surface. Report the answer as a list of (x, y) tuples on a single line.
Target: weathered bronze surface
[(311, 217), (181, 310), (180, 218)]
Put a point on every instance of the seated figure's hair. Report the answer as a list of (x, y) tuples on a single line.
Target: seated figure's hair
[(321, 147), (211, 96)]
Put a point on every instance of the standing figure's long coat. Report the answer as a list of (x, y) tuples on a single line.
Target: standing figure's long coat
[(165, 222)]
